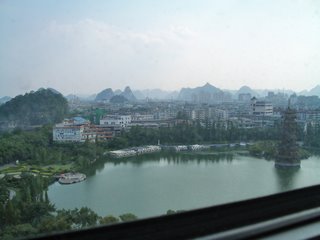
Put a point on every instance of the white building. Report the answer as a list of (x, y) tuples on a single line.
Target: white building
[(68, 133), (218, 114), (241, 122), (261, 108), (209, 113), (165, 114), (199, 114), (76, 129), (116, 120), (142, 117)]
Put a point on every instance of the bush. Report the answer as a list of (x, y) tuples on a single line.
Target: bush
[(128, 217)]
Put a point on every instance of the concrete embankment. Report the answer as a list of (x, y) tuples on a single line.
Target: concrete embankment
[(129, 152)]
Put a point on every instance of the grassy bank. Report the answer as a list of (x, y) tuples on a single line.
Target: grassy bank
[(47, 170)]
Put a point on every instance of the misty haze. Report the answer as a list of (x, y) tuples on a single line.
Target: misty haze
[(114, 111)]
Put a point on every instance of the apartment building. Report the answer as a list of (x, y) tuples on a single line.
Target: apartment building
[(116, 120), (261, 108)]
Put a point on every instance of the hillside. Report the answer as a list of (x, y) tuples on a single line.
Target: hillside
[(246, 89), (4, 99), (204, 94), (155, 94), (315, 91), (108, 94), (35, 108), (127, 93), (104, 95)]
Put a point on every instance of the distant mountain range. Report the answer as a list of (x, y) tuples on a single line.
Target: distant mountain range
[(72, 97), (127, 93), (108, 94), (246, 89), (207, 94), (157, 94), (4, 99), (104, 95), (313, 92)]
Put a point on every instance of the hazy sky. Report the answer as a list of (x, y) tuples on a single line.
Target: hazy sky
[(80, 46)]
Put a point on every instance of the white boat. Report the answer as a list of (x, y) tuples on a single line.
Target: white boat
[(69, 178)]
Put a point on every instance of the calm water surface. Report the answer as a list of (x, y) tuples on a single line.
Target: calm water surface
[(150, 185)]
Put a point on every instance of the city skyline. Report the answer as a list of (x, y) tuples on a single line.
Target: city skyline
[(83, 47)]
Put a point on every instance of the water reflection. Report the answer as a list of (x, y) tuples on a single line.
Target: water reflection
[(286, 177), (96, 167), (176, 158)]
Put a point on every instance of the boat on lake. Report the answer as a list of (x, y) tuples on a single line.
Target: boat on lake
[(69, 178)]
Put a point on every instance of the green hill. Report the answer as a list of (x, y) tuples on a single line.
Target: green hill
[(35, 108)]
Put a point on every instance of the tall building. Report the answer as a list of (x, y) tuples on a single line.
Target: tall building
[(116, 120), (71, 130), (80, 130), (261, 108)]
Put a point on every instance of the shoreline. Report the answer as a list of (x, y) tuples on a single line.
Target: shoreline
[(135, 151)]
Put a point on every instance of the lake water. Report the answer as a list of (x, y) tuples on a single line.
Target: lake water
[(150, 185)]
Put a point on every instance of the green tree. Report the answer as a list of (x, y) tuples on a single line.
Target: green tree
[(46, 198), (18, 231), (128, 217), (86, 217), (34, 211), (83, 217), (108, 220), (170, 211), (11, 214), (54, 224), (2, 216), (118, 142)]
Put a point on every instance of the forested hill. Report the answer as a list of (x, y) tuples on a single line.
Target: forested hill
[(35, 108)]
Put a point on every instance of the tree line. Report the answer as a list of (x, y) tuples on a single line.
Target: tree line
[(30, 212), (192, 133), (36, 147), (216, 132)]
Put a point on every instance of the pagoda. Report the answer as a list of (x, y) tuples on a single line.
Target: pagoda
[(288, 147)]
